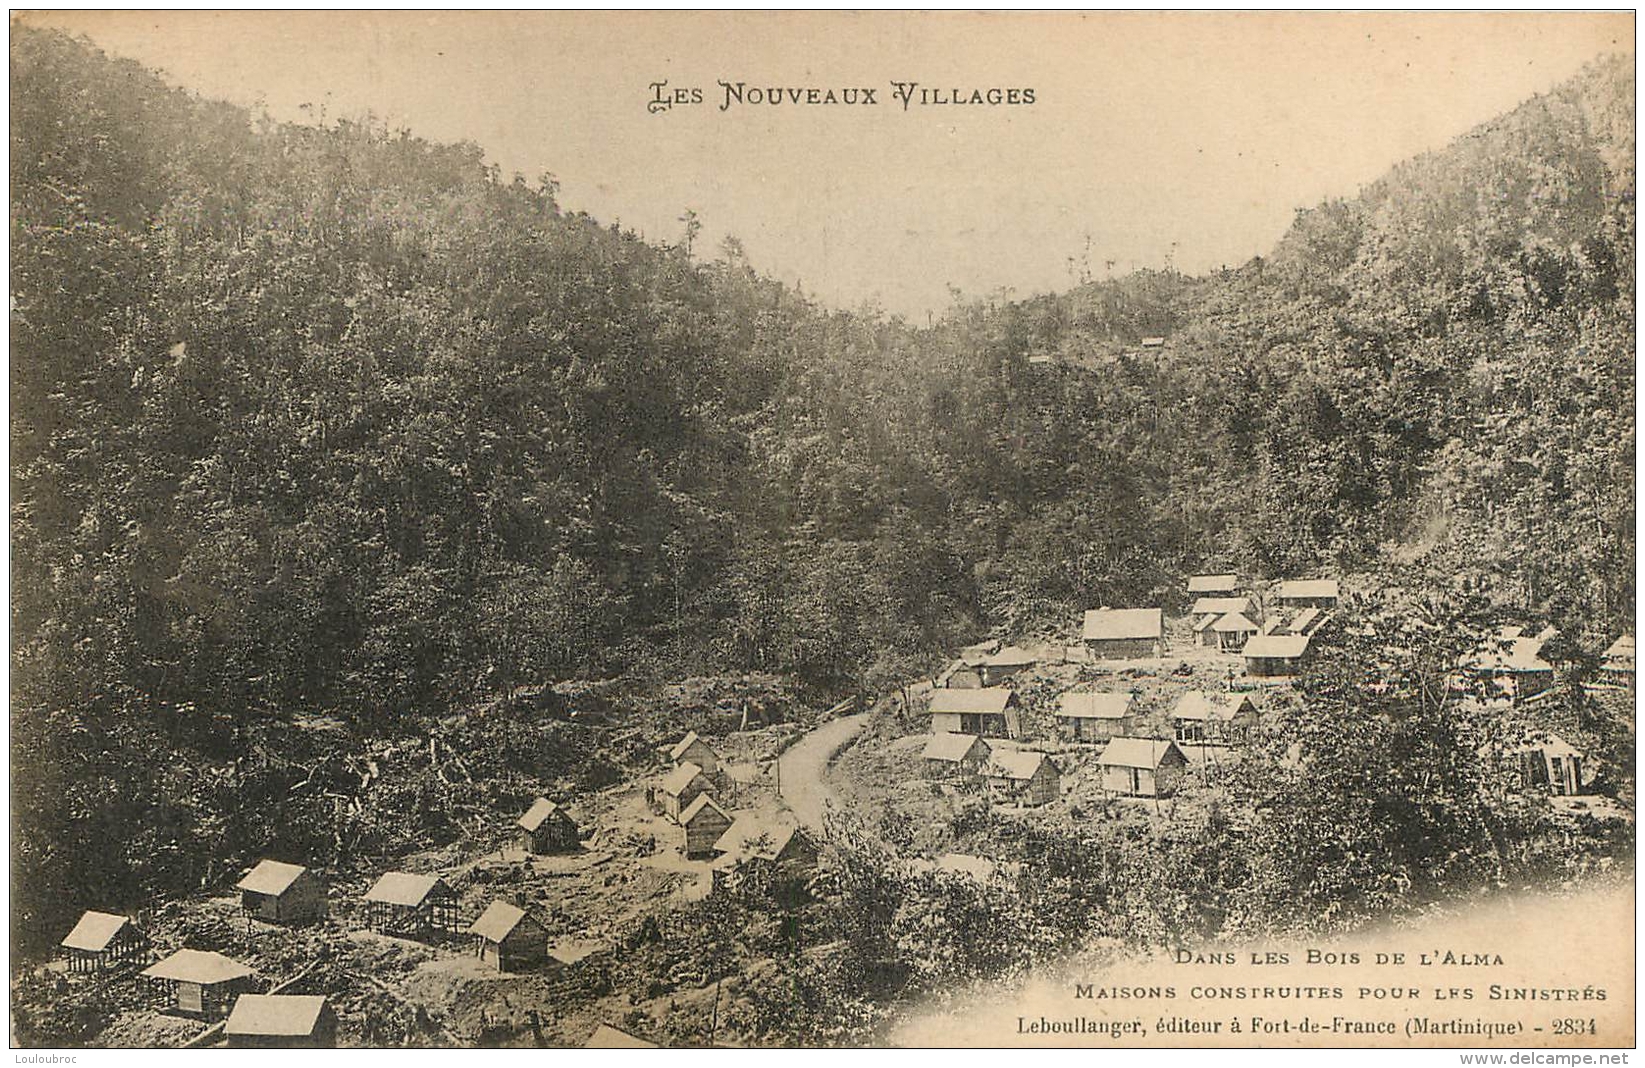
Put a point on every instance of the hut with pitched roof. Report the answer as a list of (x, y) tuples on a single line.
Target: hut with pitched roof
[(991, 712), (1269, 655), (1616, 663), (769, 844), (1232, 631), (1213, 585), (693, 750), (1142, 767), (1550, 762), (1510, 666), (1308, 593), (1207, 610), (282, 893), (1022, 777), (1096, 717), (1202, 718), (547, 828), (509, 937), (281, 1021), (201, 983), (954, 756), (415, 906), (680, 787), (1124, 633), (1005, 663), (703, 822), (103, 940)]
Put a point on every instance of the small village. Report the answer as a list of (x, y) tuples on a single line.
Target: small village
[(1149, 710), (700, 826), (1141, 711)]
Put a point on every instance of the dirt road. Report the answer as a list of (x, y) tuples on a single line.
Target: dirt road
[(803, 765)]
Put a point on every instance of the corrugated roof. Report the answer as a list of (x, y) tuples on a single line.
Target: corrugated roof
[(685, 744), (1217, 606), (94, 931), (1138, 753), (498, 921), (1303, 621), (970, 702), (704, 801), (1234, 623), (198, 966), (756, 835), (1111, 624), (1012, 656), (946, 745), (677, 780), (1622, 648), (1016, 764), (1213, 583), (1554, 745), (1292, 588), (1282, 646), (1200, 705), (275, 1014), (272, 877), (540, 810), (1511, 651), (1096, 705), (403, 888), (607, 1037)]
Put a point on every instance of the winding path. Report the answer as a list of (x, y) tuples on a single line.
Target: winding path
[(802, 766)]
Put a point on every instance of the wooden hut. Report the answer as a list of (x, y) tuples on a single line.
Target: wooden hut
[(607, 1037), (680, 787), (1269, 655), (1142, 767), (201, 983), (1552, 763), (703, 822), (991, 713), (281, 1021), (103, 940), (761, 841), (1096, 717), (1022, 777), (1308, 593), (547, 828), (400, 903), (1616, 664), (693, 750), (954, 756), (282, 893), (509, 937), (1124, 633), (1213, 585), (1213, 718), (1232, 631), (1509, 666), (1005, 663), (1208, 610)]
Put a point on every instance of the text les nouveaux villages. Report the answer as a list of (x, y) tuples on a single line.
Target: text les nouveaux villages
[(909, 94)]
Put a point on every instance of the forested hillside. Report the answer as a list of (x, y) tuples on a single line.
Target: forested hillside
[(331, 420)]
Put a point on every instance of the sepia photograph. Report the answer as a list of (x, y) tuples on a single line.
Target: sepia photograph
[(822, 529)]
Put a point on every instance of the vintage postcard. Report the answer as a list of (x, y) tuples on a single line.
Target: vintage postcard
[(822, 529)]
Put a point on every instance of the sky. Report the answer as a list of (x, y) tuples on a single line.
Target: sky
[(1154, 139)]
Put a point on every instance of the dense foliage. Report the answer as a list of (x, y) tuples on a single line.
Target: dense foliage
[(328, 419)]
